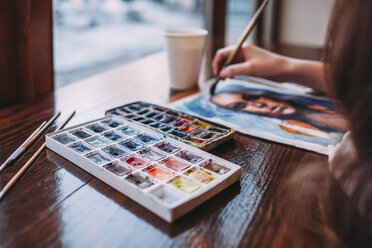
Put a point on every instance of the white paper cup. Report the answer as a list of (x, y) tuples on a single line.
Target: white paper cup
[(185, 52)]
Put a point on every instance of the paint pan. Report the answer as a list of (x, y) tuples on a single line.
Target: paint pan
[(187, 117), (123, 109), (80, 148), (132, 145), (166, 195), (179, 134), (64, 139), (151, 154), (159, 117), (187, 128), (165, 128), (97, 158), (113, 136), (184, 185), (160, 109), (133, 107), (130, 116), (81, 134), (147, 121), (180, 123), (190, 157), (114, 151), (216, 168), (196, 140), (155, 125), (147, 139), (206, 135), (197, 132), (142, 112), (117, 168), (97, 142), (135, 162), (175, 164), (201, 124), (137, 106), (112, 123), (128, 131), (218, 130), (151, 114), (167, 147), (138, 119), (199, 175), (172, 112), (96, 128), (158, 172), (144, 105), (168, 119), (139, 180)]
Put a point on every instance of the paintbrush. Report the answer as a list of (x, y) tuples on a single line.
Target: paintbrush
[(241, 40), (27, 143), (14, 179)]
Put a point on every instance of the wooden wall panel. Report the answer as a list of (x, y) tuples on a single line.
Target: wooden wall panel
[(214, 14), (42, 46), (8, 80), (26, 50)]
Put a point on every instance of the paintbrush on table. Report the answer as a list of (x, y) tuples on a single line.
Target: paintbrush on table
[(27, 143), (241, 40), (14, 179)]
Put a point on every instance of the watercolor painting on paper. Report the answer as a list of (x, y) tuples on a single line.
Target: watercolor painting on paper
[(265, 109)]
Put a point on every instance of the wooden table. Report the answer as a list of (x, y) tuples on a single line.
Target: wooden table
[(56, 203)]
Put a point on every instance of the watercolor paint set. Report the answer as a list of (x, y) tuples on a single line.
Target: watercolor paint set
[(166, 176), (191, 130)]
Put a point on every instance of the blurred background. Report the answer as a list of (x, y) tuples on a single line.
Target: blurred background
[(49, 44), (92, 36)]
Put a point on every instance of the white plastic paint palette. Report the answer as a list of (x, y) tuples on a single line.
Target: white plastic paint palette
[(164, 175)]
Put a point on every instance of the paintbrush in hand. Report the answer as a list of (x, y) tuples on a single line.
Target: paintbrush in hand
[(241, 40)]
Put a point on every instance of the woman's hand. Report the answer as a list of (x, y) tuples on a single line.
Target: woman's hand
[(251, 60), (342, 156), (257, 62)]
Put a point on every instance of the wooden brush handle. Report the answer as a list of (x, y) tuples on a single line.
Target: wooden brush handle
[(246, 32)]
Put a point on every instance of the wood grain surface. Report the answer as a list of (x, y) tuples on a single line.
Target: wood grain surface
[(55, 203)]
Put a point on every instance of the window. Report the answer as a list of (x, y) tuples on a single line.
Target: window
[(92, 36), (239, 13)]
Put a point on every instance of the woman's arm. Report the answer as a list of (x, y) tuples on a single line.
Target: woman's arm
[(258, 62)]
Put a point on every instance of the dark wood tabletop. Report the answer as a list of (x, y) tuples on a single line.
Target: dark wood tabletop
[(55, 203)]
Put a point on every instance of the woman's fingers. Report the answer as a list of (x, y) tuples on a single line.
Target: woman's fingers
[(236, 69), (250, 60), (220, 58)]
